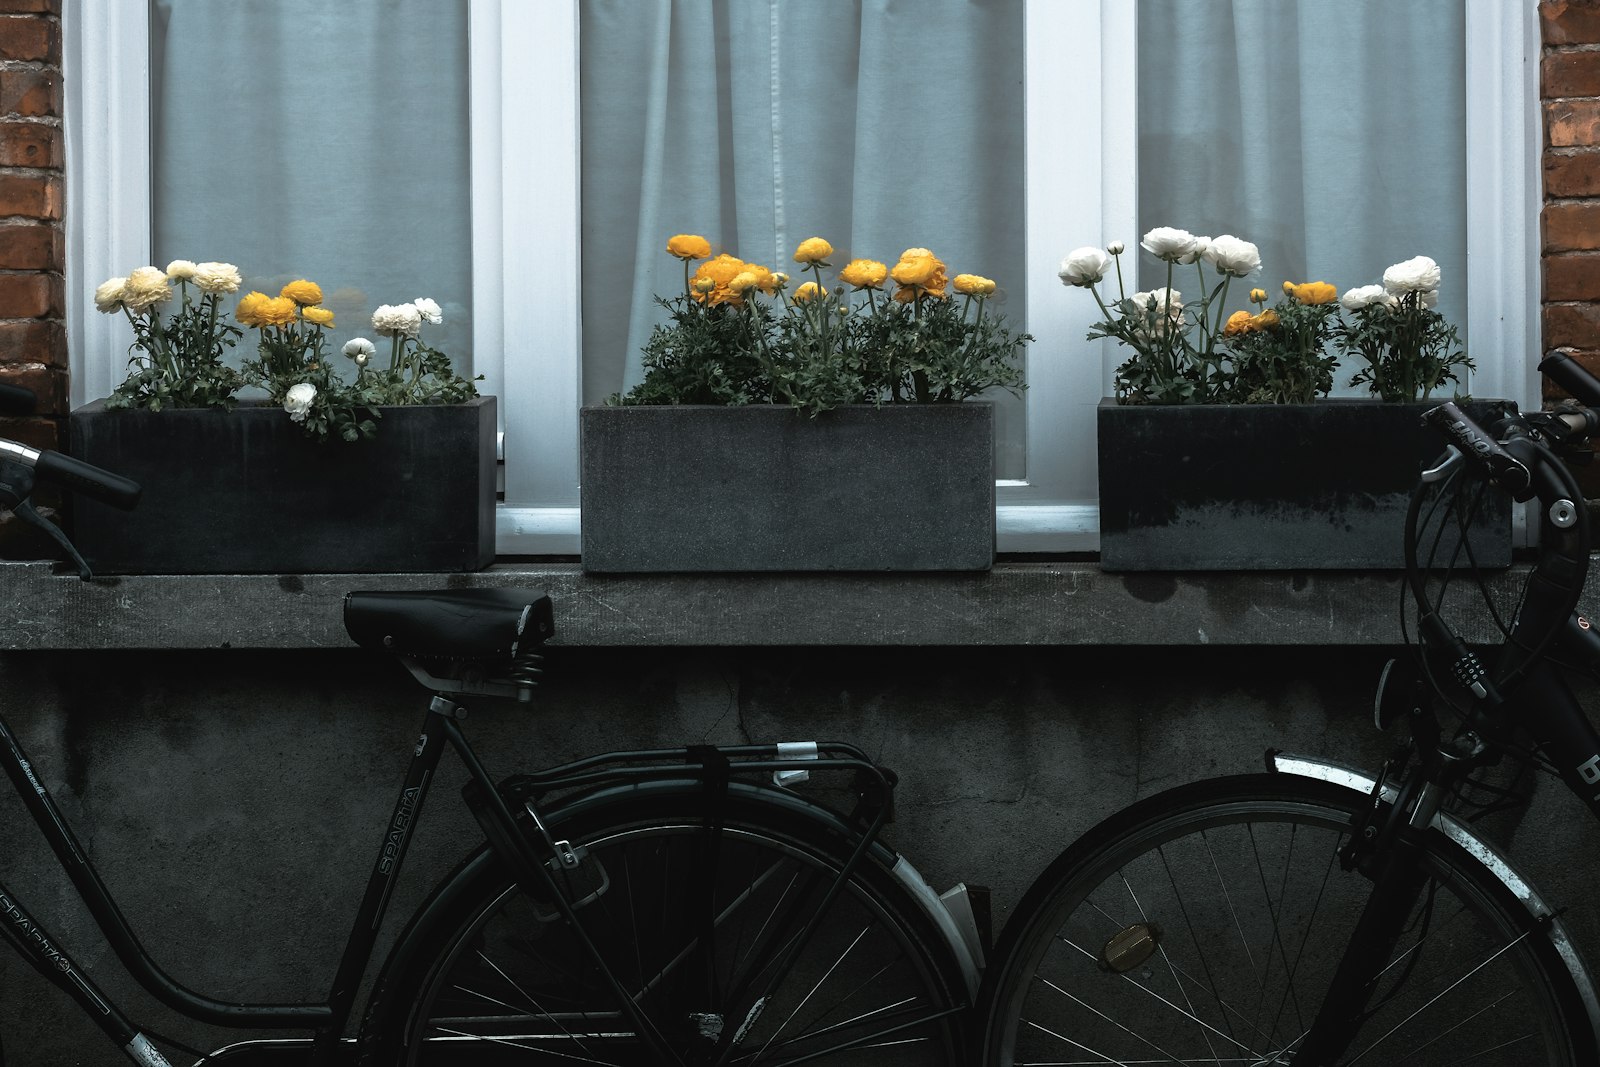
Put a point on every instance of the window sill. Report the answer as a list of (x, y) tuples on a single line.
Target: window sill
[(1017, 603)]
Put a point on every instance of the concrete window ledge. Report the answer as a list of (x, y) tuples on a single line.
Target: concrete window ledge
[(1029, 603)]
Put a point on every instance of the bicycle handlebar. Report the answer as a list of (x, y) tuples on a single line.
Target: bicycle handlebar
[(1516, 459), (88, 479)]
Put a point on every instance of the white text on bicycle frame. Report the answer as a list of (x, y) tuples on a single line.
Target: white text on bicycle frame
[(397, 830), (1590, 772)]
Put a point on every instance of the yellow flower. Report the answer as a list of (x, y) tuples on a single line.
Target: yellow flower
[(1258, 296), (808, 292), (919, 273), (1312, 292), (317, 315), (864, 274), (688, 246), (917, 267), (766, 281), (813, 250), (278, 311), (973, 284), (249, 310), (1288, 287), (718, 272), (1266, 320), (302, 292), (1238, 324), (743, 282)]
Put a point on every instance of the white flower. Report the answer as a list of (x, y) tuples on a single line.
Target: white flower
[(1116, 248), (297, 401), (1413, 276), (1234, 256), (360, 349), (1428, 298), (1160, 313), (1084, 266), (145, 288), (1168, 300), (1363, 296), (397, 319), (108, 297), (181, 270), (1165, 242), (1202, 245), (428, 309), (217, 277)]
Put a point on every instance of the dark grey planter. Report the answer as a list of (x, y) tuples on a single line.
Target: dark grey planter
[(246, 492), (900, 487), (1320, 486)]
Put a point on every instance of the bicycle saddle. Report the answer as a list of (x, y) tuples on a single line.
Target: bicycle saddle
[(455, 624)]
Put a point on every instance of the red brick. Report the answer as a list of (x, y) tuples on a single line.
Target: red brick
[(31, 246), (30, 196), (31, 296), (30, 144), (1572, 123), (49, 385), (1572, 276), (1569, 74), (1571, 326), (1571, 226), (33, 341), (1569, 21), (30, 37), (30, 93), (1572, 172), (36, 432)]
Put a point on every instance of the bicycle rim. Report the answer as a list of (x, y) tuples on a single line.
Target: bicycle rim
[(512, 985), (1202, 926)]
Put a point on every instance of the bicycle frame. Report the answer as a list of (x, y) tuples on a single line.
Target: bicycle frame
[(493, 805), (51, 958)]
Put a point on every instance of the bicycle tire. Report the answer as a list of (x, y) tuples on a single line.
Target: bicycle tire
[(1252, 908), (503, 983)]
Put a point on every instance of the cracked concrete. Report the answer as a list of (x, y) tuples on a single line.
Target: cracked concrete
[(233, 800)]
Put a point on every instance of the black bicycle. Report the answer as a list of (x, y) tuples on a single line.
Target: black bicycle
[(657, 907), (1318, 914)]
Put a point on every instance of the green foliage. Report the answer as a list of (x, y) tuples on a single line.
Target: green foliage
[(706, 355), (179, 363), (1284, 361), (819, 353), (1410, 350)]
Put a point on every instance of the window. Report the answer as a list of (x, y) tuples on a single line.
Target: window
[(1080, 166)]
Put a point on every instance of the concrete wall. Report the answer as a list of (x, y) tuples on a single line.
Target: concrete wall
[(233, 800)]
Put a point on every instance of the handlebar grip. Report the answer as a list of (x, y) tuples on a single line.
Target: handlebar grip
[(88, 479), (1571, 376), (16, 400), (1478, 444)]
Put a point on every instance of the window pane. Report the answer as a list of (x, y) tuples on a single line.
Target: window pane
[(302, 139), (878, 124), (1331, 135)]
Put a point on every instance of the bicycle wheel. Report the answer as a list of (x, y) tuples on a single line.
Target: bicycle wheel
[(1202, 925), (706, 938)]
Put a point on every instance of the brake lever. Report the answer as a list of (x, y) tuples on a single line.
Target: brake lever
[(24, 510), (1445, 465)]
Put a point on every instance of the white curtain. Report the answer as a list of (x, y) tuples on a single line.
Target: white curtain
[(878, 124), (307, 139), (1331, 135)]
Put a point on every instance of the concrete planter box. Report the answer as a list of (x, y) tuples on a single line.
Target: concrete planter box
[(901, 487), (246, 492), (1320, 486)]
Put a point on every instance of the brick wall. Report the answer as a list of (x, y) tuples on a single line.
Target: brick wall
[(33, 344)]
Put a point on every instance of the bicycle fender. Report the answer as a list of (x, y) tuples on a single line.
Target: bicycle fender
[(1485, 852), (439, 910)]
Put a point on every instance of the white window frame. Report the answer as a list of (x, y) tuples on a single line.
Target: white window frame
[(1081, 174)]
